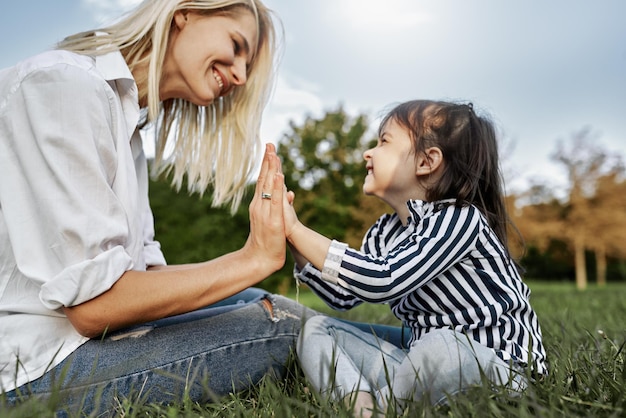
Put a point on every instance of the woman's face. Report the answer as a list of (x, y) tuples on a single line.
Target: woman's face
[(208, 55)]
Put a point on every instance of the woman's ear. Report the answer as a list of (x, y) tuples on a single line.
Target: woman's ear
[(429, 161), (180, 19)]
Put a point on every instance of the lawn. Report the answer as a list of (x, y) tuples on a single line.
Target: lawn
[(584, 334)]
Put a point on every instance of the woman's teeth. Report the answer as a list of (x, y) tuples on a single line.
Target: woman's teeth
[(219, 80)]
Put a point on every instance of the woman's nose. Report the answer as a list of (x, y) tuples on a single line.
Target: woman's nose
[(239, 71), (367, 154)]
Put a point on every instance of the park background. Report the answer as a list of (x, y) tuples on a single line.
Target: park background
[(552, 75), (543, 70), (574, 235)]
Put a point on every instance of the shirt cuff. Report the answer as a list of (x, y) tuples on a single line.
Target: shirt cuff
[(153, 255), (307, 274), (332, 264), (86, 280)]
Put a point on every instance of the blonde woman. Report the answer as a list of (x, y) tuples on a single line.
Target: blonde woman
[(87, 302)]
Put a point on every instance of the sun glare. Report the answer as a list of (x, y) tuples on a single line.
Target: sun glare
[(376, 14)]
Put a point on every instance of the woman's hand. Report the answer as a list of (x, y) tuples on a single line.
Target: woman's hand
[(266, 242), (142, 296)]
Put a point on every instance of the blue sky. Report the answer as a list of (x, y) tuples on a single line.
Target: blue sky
[(542, 70)]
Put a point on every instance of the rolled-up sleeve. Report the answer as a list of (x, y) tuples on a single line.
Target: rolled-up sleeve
[(68, 185), (74, 284)]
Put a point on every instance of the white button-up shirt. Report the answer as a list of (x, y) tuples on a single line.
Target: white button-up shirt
[(74, 210)]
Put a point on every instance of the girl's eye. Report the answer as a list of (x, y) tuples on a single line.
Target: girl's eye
[(236, 47)]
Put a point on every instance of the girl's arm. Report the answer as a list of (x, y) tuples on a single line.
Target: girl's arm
[(298, 258), (434, 247), (333, 295), (306, 245), (142, 296)]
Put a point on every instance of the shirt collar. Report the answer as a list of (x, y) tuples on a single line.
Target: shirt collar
[(419, 209), (112, 66)]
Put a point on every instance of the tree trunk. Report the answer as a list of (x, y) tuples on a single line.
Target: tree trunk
[(581, 267), (601, 266)]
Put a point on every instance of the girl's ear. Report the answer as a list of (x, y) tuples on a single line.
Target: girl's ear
[(429, 161)]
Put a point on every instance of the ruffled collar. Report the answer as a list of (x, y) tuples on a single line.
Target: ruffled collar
[(419, 209)]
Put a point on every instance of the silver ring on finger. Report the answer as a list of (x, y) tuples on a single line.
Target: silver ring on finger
[(267, 196)]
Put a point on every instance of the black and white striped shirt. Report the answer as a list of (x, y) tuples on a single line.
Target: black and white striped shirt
[(445, 269)]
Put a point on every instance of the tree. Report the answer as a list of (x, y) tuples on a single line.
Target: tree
[(591, 218), (190, 230), (323, 164), (541, 222), (586, 163), (609, 221)]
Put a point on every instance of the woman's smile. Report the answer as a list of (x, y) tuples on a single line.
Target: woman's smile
[(220, 80)]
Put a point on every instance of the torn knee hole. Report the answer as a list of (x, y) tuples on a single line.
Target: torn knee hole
[(269, 307)]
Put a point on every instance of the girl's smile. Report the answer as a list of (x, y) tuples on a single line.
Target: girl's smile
[(391, 172)]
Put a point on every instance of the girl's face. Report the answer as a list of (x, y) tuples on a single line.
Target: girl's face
[(391, 167), (208, 55)]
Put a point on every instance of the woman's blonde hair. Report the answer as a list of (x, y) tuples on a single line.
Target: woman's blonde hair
[(213, 145)]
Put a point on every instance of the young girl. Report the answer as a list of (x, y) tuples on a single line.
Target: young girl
[(440, 261)]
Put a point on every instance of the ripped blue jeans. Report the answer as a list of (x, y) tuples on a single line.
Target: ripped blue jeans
[(204, 354)]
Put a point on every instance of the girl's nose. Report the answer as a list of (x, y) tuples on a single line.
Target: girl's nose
[(367, 154)]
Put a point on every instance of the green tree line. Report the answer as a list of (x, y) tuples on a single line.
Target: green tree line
[(576, 238)]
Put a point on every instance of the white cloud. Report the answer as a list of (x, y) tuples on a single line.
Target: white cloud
[(372, 15), (291, 101), (105, 11)]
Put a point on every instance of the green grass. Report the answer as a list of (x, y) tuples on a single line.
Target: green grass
[(584, 334)]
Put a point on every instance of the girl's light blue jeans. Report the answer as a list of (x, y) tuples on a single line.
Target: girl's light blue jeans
[(340, 359), (205, 354)]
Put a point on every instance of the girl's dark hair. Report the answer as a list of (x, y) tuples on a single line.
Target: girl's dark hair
[(471, 170)]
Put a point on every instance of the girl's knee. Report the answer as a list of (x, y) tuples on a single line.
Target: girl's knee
[(307, 331), (442, 347), (441, 358), (318, 325), (447, 362), (447, 343), (314, 327)]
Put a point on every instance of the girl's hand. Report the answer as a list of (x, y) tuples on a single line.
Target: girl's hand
[(291, 222), (305, 244), (291, 218), (266, 241)]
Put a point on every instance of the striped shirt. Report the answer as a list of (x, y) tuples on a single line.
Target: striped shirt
[(445, 269)]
